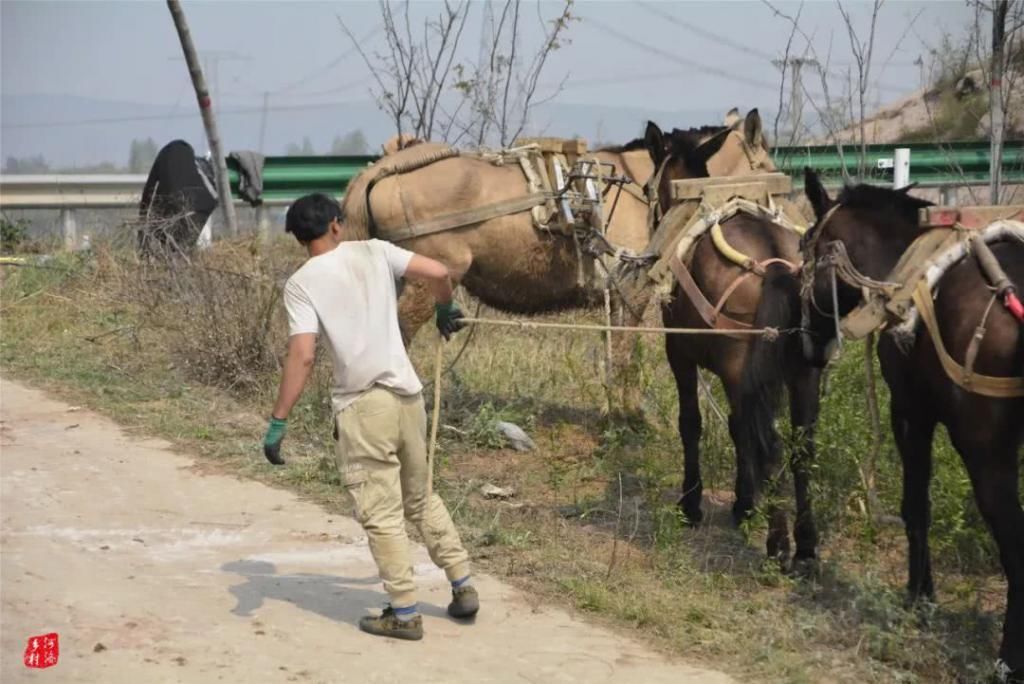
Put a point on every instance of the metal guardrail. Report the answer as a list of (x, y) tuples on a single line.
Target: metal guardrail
[(58, 191), (288, 178), (944, 165), (98, 191), (931, 164)]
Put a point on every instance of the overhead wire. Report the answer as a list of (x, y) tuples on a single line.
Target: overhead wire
[(183, 115), (678, 59), (718, 38), (293, 85)]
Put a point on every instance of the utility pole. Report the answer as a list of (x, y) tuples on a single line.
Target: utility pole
[(211, 66), (209, 119), (995, 98), (796, 91)]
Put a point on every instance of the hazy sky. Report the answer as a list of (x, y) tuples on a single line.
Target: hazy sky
[(675, 55)]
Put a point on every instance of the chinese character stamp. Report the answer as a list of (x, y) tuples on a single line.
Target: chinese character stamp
[(42, 651)]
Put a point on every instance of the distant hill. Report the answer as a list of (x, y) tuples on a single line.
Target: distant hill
[(951, 111), (114, 125)]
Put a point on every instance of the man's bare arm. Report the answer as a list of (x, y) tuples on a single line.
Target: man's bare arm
[(297, 367), (434, 274)]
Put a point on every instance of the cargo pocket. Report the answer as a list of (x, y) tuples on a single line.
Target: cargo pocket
[(355, 481)]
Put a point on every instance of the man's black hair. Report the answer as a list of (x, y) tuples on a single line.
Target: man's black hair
[(309, 217)]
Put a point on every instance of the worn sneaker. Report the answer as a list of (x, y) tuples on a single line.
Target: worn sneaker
[(388, 624), (465, 602)]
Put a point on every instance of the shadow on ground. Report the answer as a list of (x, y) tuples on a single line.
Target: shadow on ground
[(341, 599)]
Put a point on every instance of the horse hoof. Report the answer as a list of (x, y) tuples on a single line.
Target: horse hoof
[(1004, 674), (742, 511), (693, 516), (776, 564), (805, 568)]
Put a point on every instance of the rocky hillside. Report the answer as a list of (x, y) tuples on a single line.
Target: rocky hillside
[(957, 111)]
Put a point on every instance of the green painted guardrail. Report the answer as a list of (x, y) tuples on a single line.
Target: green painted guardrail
[(934, 165), (931, 165), (288, 178)]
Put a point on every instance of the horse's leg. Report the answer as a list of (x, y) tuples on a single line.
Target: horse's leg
[(684, 370), (415, 307), (627, 308), (416, 303), (624, 372), (913, 430), (804, 399), (730, 371), (992, 461), (745, 488)]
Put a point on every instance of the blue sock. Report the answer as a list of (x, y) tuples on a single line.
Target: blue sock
[(464, 582), (406, 613)]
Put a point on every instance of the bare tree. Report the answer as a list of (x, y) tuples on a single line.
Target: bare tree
[(785, 63), (1001, 68), (952, 72), (863, 51), (838, 110), (412, 74), (501, 89), (427, 91)]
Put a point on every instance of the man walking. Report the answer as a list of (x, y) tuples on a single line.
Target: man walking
[(347, 291)]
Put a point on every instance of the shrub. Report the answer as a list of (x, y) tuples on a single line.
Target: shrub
[(13, 234)]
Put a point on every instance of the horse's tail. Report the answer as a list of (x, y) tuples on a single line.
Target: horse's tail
[(764, 374)]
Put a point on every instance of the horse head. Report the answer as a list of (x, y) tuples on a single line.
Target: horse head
[(868, 226), (678, 155), (745, 150)]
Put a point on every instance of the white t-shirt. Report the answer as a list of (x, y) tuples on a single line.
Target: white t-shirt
[(349, 295)]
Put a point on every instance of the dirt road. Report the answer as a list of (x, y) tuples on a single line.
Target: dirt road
[(151, 572)]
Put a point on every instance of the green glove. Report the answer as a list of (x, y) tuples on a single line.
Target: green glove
[(449, 319), (272, 440)]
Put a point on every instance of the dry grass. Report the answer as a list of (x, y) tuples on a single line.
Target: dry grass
[(593, 524)]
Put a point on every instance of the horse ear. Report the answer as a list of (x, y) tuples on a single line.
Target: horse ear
[(816, 192), (654, 141), (706, 150), (732, 117), (907, 188), (752, 129)]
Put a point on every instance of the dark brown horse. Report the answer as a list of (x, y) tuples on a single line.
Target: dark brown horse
[(876, 225), (727, 357)]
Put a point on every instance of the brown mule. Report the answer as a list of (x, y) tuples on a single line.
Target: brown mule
[(720, 279), (876, 226)]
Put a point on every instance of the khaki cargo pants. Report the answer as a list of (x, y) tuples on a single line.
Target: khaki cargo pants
[(382, 456)]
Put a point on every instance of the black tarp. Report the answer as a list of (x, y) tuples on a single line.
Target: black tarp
[(177, 200)]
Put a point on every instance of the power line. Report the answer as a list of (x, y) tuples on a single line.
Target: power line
[(163, 117), (703, 33), (288, 87), (684, 61), (618, 79), (718, 38)]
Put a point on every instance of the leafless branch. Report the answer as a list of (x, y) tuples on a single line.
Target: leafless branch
[(899, 43), (862, 55), (784, 67)]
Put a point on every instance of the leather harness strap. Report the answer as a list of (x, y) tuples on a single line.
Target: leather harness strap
[(985, 385), (467, 217), (711, 315), (736, 282)]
